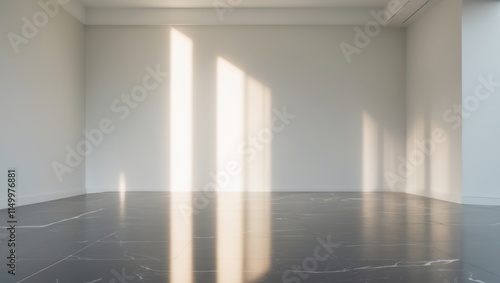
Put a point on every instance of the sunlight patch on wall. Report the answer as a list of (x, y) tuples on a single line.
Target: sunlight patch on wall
[(243, 220), (370, 153), (181, 112), (259, 136), (181, 158), (230, 205), (440, 166)]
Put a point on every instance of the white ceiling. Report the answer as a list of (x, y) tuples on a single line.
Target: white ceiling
[(237, 3), (241, 12)]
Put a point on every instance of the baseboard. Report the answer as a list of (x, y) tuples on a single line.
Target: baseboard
[(274, 190), (457, 198), (481, 201), (454, 198), (38, 198), (97, 191)]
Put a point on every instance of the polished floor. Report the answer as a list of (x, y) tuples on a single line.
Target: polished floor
[(254, 237)]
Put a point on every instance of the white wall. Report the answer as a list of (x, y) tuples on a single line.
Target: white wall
[(433, 88), (41, 102), (349, 129), (350, 124), (481, 137)]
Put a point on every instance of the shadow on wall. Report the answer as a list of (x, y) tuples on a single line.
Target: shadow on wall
[(428, 161), (380, 155)]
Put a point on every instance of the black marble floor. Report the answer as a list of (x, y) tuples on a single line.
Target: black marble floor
[(253, 237)]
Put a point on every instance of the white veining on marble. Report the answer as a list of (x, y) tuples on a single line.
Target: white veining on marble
[(324, 199), (396, 265), (388, 245), (96, 280), (154, 270), (60, 221), (474, 280), (71, 255), (281, 198), (131, 255)]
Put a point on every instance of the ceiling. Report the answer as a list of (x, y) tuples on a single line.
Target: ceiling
[(243, 12), (237, 3)]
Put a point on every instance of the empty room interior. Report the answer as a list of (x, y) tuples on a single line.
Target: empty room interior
[(247, 141)]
